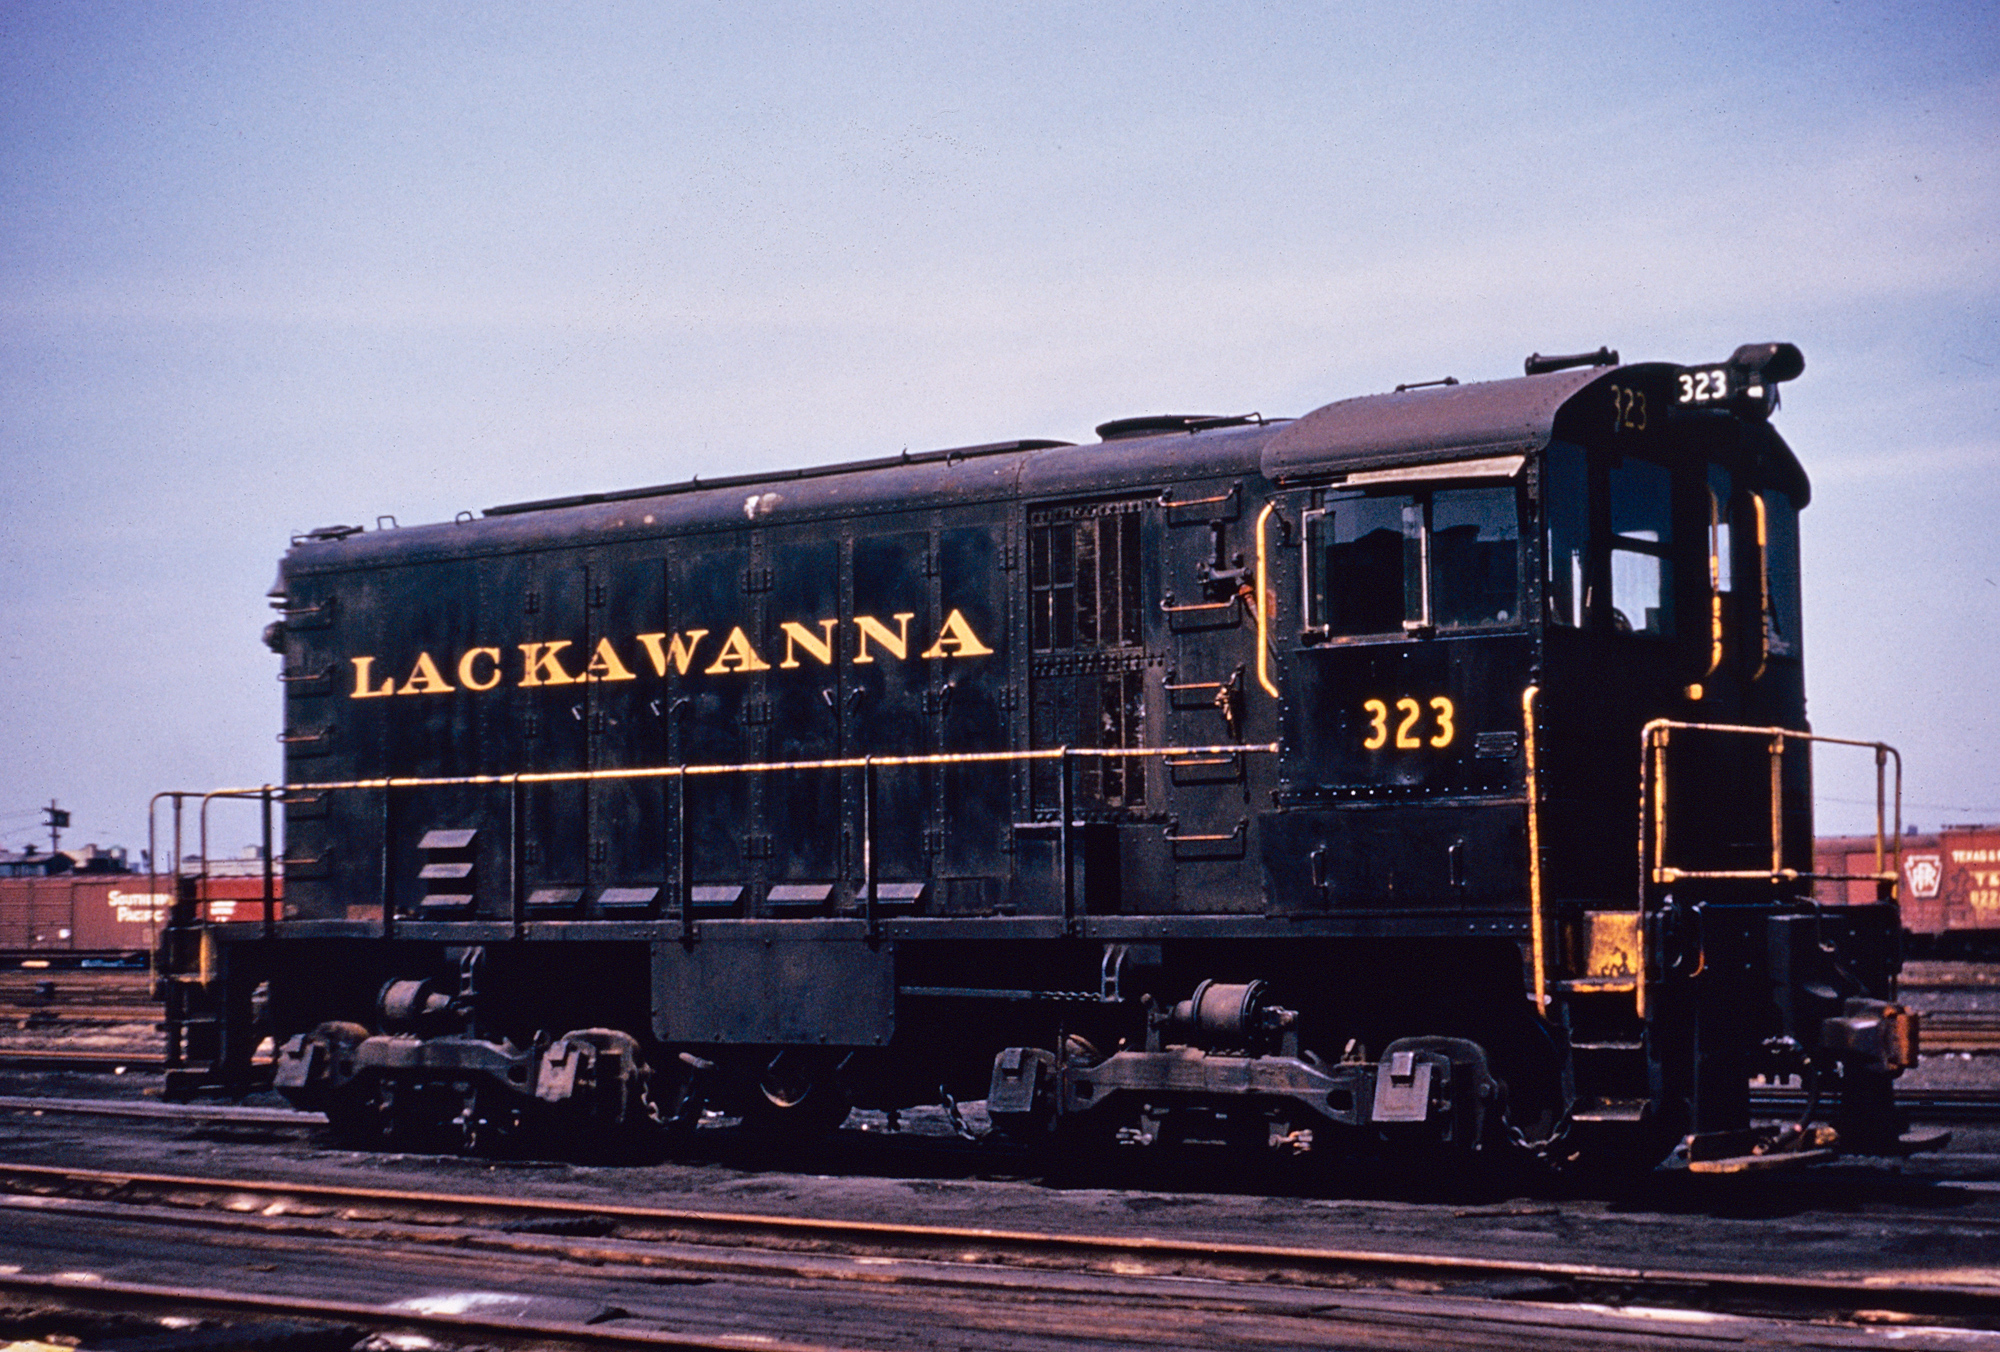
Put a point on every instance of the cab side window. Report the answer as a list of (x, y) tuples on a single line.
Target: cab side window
[(1475, 557), (1363, 556), (1388, 564)]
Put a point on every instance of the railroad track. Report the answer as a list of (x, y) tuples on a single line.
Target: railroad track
[(1922, 1105), (1143, 1290), (102, 1062), (1960, 1031), (35, 998)]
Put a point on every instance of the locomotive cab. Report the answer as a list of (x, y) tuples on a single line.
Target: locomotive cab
[(1509, 652)]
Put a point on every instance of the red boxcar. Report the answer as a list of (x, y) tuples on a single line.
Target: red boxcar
[(1950, 880), (107, 915)]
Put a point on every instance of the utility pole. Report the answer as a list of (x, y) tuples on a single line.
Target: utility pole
[(58, 819)]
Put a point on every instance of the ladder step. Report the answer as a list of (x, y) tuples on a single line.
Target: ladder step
[(1598, 985), (1610, 1110), (1607, 1046)]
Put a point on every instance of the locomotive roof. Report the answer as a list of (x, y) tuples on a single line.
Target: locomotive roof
[(1408, 427), (1439, 423), (1412, 426)]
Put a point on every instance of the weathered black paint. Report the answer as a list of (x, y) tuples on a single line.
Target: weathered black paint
[(930, 914)]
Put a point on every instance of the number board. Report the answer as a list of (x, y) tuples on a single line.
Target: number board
[(1701, 386)]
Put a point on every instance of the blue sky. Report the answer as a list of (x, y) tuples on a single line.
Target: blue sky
[(268, 267)]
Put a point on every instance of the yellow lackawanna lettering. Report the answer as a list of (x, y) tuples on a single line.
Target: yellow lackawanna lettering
[(605, 666), (362, 677), (425, 679), (956, 639), (736, 655), (468, 669), (540, 665), (897, 645), (798, 636), (677, 652)]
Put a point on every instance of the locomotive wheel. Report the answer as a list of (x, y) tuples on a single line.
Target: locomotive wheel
[(794, 1097), (1868, 1121), (676, 1099), (629, 1107), (612, 1099), (354, 1111), (1609, 1155), (349, 1101)]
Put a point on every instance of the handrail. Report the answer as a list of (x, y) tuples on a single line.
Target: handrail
[(1536, 924), (1168, 501), (262, 793), (1763, 587), (1228, 604), (1266, 599), (752, 767), (869, 765), (1654, 870)]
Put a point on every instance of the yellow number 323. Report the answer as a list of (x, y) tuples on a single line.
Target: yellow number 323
[(1410, 713)]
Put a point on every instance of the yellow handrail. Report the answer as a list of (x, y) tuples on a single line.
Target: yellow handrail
[(1265, 602), (754, 767), (1654, 869), (1535, 921)]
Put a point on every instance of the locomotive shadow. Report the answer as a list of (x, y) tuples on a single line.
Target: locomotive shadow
[(1828, 1190), (925, 1149)]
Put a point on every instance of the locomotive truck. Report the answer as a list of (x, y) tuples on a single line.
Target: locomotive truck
[(1430, 772)]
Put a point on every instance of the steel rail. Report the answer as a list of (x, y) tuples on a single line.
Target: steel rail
[(29, 1058), (1079, 1251), (122, 1297), (154, 1110), (1923, 1105), (73, 1015)]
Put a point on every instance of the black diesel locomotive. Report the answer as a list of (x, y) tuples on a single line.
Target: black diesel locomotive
[(1430, 772)]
